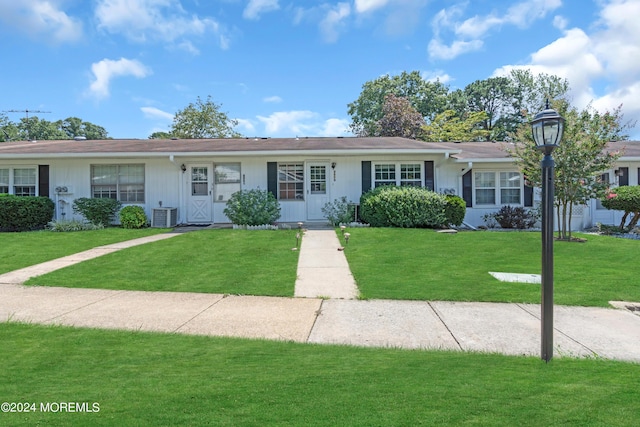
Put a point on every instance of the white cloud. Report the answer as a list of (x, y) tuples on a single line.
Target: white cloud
[(246, 127), (469, 32), (363, 6), (436, 75), (43, 18), (156, 20), (302, 123), (333, 23), (107, 69), (156, 114), (274, 99), (257, 7)]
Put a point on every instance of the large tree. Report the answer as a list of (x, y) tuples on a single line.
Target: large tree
[(73, 127), (203, 119), (448, 126), (35, 129), (427, 97), (399, 118), (491, 96), (580, 159)]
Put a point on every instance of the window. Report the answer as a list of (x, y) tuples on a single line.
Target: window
[(4, 181), (121, 182), (227, 180), (291, 181), (498, 188), (510, 188), (318, 179), (485, 188), (199, 181), (24, 182), (386, 174)]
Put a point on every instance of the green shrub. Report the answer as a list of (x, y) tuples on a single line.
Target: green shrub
[(455, 209), (340, 211), (627, 199), (514, 217), (405, 207), (72, 225), (97, 211), (133, 217), (25, 213), (252, 207)]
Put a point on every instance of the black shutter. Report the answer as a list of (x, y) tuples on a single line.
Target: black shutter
[(623, 176), (366, 176), (43, 180), (429, 173), (528, 196), (467, 189), (272, 178)]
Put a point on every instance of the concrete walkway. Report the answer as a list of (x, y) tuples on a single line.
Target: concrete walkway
[(512, 329)]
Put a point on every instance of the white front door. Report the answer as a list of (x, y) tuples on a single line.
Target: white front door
[(199, 193), (317, 189)]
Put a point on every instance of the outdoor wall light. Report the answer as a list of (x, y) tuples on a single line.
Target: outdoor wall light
[(333, 165), (183, 168), (547, 127)]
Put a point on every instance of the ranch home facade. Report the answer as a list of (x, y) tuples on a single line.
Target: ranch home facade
[(190, 181)]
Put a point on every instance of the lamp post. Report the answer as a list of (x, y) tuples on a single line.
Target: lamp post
[(547, 127)]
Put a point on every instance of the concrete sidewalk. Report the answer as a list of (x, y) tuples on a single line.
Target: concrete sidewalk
[(512, 329)]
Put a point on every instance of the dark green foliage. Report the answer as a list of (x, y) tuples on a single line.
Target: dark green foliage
[(407, 207), (97, 211), (340, 211), (627, 199), (252, 207), (455, 209), (133, 217), (24, 213), (514, 217)]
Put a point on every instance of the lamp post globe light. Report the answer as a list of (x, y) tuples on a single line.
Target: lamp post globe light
[(547, 127)]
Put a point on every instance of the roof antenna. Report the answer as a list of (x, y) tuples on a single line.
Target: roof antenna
[(27, 116)]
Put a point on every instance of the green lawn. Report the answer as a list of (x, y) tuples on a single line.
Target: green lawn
[(217, 261), (19, 250), (163, 379), (425, 265)]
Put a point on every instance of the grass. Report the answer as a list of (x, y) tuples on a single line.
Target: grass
[(223, 261), (425, 265), (162, 379), (19, 250)]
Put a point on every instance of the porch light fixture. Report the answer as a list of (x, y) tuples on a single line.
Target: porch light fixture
[(333, 165), (547, 127), (183, 168)]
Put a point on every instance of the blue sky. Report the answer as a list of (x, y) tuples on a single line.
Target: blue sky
[(289, 68)]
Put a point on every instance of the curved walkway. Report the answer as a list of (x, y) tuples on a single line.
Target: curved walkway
[(512, 329)]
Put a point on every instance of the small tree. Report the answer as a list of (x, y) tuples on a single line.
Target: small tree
[(625, 199), (580, 159)]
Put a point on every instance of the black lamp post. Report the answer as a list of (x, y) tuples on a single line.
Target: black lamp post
[(547, 127)]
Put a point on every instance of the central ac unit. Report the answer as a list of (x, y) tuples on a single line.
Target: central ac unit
[(164, 217)]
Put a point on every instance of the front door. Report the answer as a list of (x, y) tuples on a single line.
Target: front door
[(199, 190), (317, 189)]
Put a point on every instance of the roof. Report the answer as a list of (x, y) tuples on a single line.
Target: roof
[(463, 151)]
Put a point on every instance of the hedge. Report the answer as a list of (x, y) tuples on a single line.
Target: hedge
[(25, 213)]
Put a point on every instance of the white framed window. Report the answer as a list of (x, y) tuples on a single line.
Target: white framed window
[(291, 181), (387, 174), (227, 180), (121, 182), (4, 181), (498, 188)]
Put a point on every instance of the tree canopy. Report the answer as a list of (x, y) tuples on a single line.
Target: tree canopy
[(203, 119), (35, 128)]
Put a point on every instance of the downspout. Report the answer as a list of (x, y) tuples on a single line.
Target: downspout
[(181, 201)]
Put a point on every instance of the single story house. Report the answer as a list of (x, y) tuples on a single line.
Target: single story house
[(190, 181)]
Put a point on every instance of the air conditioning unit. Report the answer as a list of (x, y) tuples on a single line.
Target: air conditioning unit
[(164, 217)]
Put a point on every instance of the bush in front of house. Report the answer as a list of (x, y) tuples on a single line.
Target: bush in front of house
[(455, 209), (97, 211), (72, 225), (627, 199), (252, 207), (340, 211), (133, 217), (406, 207), (24, 213), (514, 217)]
